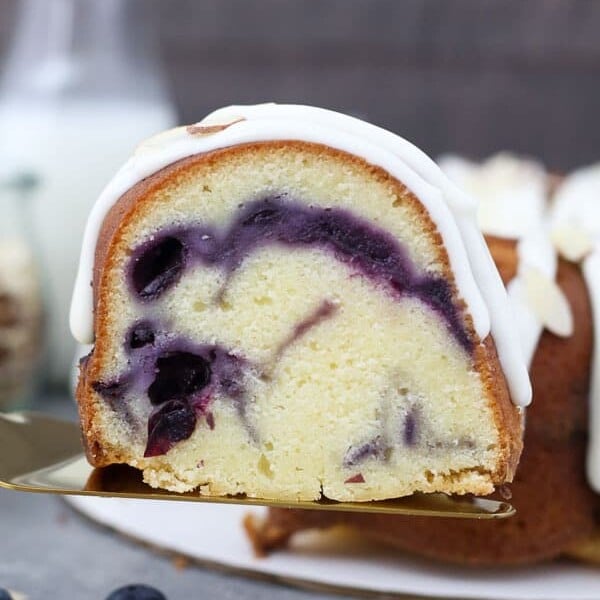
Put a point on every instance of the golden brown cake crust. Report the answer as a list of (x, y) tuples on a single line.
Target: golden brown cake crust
[(134, 202), (555, 506)]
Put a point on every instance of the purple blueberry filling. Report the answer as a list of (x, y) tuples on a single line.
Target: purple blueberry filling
[(179, 375), (180, 380), (171, 423), (366, 248), (140, 335), (323, 312), (158, 267), (380, 447), (376, 448), (411, 428), (413, 432)]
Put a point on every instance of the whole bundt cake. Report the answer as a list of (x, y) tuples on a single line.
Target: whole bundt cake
[(544, 240), (289, 303)]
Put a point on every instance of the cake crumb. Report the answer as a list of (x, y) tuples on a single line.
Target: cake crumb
[(180, 562), (358, 478)]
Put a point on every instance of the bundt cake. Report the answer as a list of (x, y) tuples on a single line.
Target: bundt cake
[(289, 303), (538, 245)]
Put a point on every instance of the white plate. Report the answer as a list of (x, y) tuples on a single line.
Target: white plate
[(213, 533)]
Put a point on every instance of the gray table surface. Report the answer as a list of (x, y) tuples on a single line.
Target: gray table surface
[(48, 551)]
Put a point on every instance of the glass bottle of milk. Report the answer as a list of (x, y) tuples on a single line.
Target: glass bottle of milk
[(80, 89)]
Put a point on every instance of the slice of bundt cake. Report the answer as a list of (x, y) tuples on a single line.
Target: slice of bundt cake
[(291, 303)]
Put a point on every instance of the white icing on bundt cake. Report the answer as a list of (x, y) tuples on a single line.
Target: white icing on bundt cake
[(290, 303), (575, 223), (415, 169), (514, 205), (545, 246)]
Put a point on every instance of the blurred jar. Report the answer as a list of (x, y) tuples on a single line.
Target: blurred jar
[(81, 88), (21, 334)]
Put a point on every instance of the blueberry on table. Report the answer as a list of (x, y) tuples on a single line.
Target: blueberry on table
[(5, 594), (136, 592)]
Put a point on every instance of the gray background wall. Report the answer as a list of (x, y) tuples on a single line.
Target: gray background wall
[(472, 76)]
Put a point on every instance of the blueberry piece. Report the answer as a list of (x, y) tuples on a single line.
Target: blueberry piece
[(136, 592), (174, 422), (141, 335), (158, 268), (178, 376), (5, 594)]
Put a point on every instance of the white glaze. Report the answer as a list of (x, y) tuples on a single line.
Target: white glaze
[(572, 242), (452, 210), (577, 205), (534, 252), (511, 191), (591, 272)]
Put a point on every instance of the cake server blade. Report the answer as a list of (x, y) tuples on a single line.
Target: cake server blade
[(39, 453)]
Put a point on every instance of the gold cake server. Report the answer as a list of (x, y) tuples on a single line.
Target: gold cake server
[(39, 453)]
